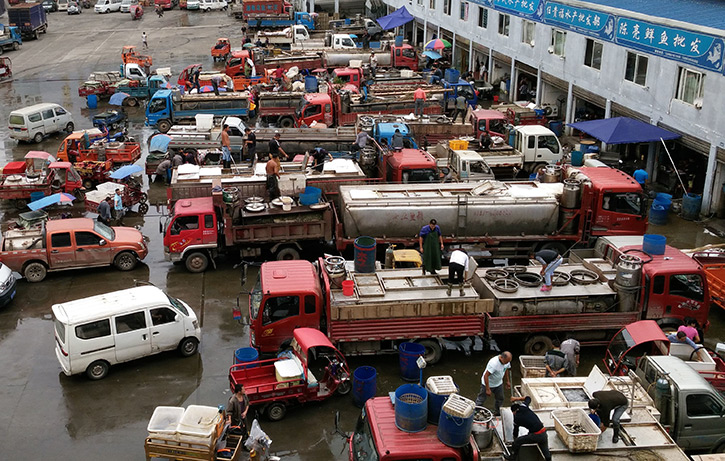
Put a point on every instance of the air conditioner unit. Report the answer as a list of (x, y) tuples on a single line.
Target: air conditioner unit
[(550, 110)]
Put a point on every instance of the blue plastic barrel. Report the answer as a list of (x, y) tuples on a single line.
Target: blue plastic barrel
[(245, 354), (452, 75), (92, 101), (557, 126), (313, 191), (311, 84), (691, 204), (662, 195), (658, 215), (36, 196), (309, 199), (409, 353), (454, 431), (411, 408), (435, 403), (365, 254), (663, 201), (654, 244), (577, 158), (364, 384), (512, 138), (398, 40)]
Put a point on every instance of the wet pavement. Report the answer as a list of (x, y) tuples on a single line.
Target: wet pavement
[(47, 414)]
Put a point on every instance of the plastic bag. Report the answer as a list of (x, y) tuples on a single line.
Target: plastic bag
[(257, 439)]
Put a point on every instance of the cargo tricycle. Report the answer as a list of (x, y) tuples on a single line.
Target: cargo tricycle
[(272, 385), (131, 194), (220, 51), (49, 178)]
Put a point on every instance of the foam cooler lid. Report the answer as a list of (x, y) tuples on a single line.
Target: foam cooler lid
[(287, 369), (199, 421), (459, 406), (442, 385)]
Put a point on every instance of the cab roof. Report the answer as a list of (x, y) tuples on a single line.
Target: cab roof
[(489, 114), (388, 128), (686, 377), (288, 277), (104, 305), (194, 205), (411, 158), (672, 261), (601, 177), (645, 331), (55, 225)]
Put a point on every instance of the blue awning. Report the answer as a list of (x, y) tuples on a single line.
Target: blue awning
[(395, 19), (623, 130)]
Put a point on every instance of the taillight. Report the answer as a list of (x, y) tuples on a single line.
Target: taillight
[(60, 346)]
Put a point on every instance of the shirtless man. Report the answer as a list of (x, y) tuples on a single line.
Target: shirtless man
[(272, 170)]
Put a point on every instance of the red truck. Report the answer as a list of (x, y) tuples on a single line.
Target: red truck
[(65, 244), (264, 8), (90, 145), (313, 370), (56, 177)]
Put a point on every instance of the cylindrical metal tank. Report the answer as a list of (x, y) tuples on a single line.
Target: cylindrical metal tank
[(552, 173), (629, 270), (571, 198), (569, 220), (627, 298), (389, 211)]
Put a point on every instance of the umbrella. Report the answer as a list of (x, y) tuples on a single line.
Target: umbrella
[(437, 44), (126, 170), (117, 98), (432, 54), (41, 155), (51, 200), (248, 45), (159, 143)]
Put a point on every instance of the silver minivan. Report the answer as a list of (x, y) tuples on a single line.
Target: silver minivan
[(35, 122)]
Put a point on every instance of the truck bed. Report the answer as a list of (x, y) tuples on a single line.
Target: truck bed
[(275, 225), (260, 381)]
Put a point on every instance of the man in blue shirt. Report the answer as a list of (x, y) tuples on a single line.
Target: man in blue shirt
[(641, 176), (118, 207), (681, 337)]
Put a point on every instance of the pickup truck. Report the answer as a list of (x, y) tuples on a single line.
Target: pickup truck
[(140, 89), (464, 166), (70, 244), (10, 38), (100, 83)]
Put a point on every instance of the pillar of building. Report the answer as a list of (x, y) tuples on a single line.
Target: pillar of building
[(425, 31), (607, 114), (512, 81), (453, 51), (337, 6), (569, 107), (470, 56), (490, 67), (312, 6), (538, 87), (707, 192)]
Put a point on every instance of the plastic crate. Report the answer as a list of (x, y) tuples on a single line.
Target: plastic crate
[(458, 406), (458, 144), (201, 424), (532, 366), (584, 442), (165, 420), (441, 385)]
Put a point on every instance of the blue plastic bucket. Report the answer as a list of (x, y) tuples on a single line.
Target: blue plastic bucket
[(309, 199), (311, 85), (313, 190), (452, 75), (398, 40), (663, 202), (454, 431), (92, 101), (662, 195), (245, 354), (365, 254), (654, 244), (557, 126), (409, 353), (364, 385), (411, 408), (691, 204), (577, 158), (435, 403), (36, 196), (658, 215)]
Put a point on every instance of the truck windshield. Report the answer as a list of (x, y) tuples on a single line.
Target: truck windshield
[(495, 126), (178, 304), (623, 202), (479, 167), (549, 142), (363, 446), (255, 298), (157, 105), (408, 53), (104, 231), (420, 175), (298, 111), (688, 286), (621, 344)]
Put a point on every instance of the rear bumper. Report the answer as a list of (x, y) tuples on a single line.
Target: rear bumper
[(9, 293)]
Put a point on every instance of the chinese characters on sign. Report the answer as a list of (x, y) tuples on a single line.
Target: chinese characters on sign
[(527, 8), (589, 22)]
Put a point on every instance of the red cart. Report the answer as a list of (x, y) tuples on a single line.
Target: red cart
[(220, 51), (131, 194)]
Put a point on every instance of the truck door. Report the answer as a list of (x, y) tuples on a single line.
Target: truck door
[(91, 249), (184, 231), (61, 253), (685, 296), (702, 422), (617, 211), (280, 316), (132, 336), (547, 150), (209, 233), (166, 329)]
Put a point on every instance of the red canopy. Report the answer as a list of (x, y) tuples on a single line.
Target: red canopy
[(39, 154), (645, 331), (310, 337)]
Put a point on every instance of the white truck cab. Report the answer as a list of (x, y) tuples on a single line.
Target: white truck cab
[(537, 144)]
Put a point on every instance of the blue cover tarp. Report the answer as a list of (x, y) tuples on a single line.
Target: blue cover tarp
[(395, 19), (623, 130)]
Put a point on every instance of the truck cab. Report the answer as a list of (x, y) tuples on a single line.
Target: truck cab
[(305, 19), (314, 107), (410, 166), (376, 437), (537, 144), (405, 56), (133, 71), (692, 411), (467, 165), (486, 119), (461, 88), (235, 64), (348, 75), (191, 230), (10, 37), (385, 131), (342, 42)]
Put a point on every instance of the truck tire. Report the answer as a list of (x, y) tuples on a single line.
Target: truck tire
[(286, 122), (88, 184), (164, 126), (538, 345), (35, 272), (288, 254), (433, 350), (188, 347), (97, 370), (276, 411), (197, 262), (125, 261), (16, 46), (131, 102), (69, 127), (143, 208)]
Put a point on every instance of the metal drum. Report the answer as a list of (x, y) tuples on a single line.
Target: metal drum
[(569, 220), (552, 173), (571, 198), (629, 270)]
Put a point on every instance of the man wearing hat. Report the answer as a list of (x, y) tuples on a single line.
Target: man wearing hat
[(524, 417)]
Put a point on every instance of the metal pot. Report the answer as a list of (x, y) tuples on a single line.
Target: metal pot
[(482, 427)]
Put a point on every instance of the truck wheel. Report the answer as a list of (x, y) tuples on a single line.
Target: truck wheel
[(286, 122), (69, 127), (38, 138), (20, 203), (131, 102), (143, 198), (433, 350), (164, 126), (188, 347), (16, 46), (143, 208), (97, 370), (538, 345), (125, 261), (35, 272), (88, 184), (197, 262), (276, 411), (288, 254)]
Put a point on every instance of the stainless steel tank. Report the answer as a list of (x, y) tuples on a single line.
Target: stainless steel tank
[(402, 210), (342, 59), (569, 220), (629, 271), (571, 198), (552, 173)]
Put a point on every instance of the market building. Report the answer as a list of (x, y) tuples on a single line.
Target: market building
[(659, 62)]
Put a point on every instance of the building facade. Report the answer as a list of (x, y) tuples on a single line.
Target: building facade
[(584, 60)]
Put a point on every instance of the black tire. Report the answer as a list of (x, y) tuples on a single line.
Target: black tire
[(131, 102), (719, 449), (125, 261), (97, 370), (143, 208), (143, 198), (188, 347), (38, 138), (288, 254), (433, 350), (197, 262), (669, 325), (345, 387), (69, 127), (286, 122), (276, 411), (164, 126), (88, 184), (16, 46), (35, 272), (20, 203), (538, 345)]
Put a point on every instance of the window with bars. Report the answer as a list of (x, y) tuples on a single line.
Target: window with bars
[(558, 42), (593, 54), (690, 86), (504, 22), (482, 17)]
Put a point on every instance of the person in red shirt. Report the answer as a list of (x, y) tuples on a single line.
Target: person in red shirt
[(279, 72), (419, 96)]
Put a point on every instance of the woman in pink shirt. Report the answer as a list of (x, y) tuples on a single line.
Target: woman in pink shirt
[(690, 329)]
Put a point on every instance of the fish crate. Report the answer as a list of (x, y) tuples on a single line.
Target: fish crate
[(458, 144), (583, 440), (532, 366)]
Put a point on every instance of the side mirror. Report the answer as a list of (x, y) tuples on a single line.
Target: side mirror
[(177, 318), (161, 227), (102, 242)]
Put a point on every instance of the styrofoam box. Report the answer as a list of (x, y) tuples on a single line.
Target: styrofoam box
[(441, 385), (458, 406), (287, 370), (165, 420), (356, 63), (199, 421)]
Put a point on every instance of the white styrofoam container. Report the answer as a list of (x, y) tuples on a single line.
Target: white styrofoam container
[(356, 63), (287, 370), (165, 420), (720, 348), (441, 385), (199, 421), (204, 122), (458, 406)]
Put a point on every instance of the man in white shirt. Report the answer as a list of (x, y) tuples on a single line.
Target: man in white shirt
[(457, 266), (492, 381)]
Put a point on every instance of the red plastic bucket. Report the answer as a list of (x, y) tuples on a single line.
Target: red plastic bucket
[(348, 287)]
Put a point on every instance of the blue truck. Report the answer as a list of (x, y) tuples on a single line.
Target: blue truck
[(140, 90), (29, 18), (461, 88), (170, 107), (10, 38), (282, 21)]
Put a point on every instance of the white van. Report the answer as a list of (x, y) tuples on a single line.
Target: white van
[(106, 6), (91, 334), (126, 5), (208, 5), (33, 123), (63, 5)]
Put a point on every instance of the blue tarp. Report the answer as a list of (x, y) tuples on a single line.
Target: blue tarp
[(395, 19), (623, 130)]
